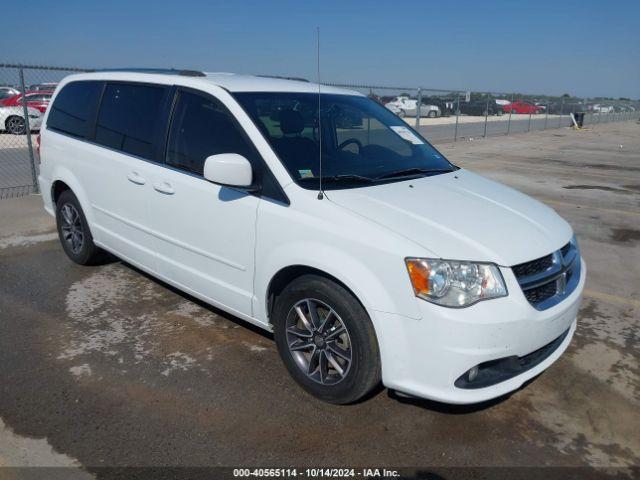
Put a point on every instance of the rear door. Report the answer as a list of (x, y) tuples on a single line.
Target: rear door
[(128, 130), (205, 232)]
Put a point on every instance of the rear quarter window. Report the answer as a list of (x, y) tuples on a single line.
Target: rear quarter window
[(74, 108)]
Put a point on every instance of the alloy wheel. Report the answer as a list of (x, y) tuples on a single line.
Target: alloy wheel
[(319, 341), (72, 231), (15, 125)]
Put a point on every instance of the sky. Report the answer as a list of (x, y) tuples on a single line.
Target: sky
[(584, 48)]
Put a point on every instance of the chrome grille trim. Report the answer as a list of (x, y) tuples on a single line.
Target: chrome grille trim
[(546, 288)]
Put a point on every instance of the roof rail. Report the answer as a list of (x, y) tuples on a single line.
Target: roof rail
[(161, 71), (297, 79)]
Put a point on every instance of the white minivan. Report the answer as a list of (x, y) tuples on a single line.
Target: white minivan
[(322, 217)]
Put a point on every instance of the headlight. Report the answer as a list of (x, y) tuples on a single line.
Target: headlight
[(453, 283)]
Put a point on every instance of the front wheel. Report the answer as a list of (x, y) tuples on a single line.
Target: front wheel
[(432, 114), (326, 340), (15, 125)]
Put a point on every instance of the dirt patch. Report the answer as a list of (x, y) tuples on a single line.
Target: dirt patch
[(117, 316), (596, 187), (625, 235)]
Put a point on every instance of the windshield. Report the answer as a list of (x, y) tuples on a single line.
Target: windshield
[(362, 142)]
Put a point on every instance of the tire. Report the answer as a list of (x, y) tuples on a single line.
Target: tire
[(347, 365), (499, 113), (402, 114), (432, 114), (15, 125), (73, 231)]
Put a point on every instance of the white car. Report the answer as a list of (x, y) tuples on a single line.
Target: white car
[(12, 119), (407, 107), (378, 262), (603, 108)]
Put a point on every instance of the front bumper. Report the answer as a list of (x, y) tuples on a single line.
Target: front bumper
[(425, 357)]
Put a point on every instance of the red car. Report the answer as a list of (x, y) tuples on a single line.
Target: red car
[(522, 107), (35, 99)]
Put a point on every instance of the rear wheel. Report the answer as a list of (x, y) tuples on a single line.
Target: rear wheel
[(432, 114), (326, 340), (73, 230), (15, 125)]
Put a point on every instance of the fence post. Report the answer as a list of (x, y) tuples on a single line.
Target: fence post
[(486, 117), (27, 127), (419, 108), (561, 112), (455, 134), (510, 113), (546, 115)]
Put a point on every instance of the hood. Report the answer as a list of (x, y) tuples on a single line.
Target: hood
[(461, 216)]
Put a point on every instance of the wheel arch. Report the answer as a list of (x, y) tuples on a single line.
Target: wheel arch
[(64, 179), (286, 275)]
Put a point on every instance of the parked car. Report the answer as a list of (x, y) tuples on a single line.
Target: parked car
[(408, 107), (12, 120), (520, 106), (6, 92), (446, 106), (479, 107), (35, 99), (372, 258), (565, 108), (395, 109), (43, 86)]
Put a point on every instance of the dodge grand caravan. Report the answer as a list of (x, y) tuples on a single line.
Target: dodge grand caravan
[(322, 217)]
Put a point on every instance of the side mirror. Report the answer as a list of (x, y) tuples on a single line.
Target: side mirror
[(229, 169)]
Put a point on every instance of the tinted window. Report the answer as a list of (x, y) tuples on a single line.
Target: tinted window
[(74, 108), (201, 127), (128, 117)]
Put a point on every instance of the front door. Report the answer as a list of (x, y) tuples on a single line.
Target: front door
[(205, 233)]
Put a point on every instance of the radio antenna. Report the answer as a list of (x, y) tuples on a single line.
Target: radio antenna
[(320, 194)]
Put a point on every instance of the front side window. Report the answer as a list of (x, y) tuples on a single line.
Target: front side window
[(74, 108), (201, 126), (362, 142), (128, 117)]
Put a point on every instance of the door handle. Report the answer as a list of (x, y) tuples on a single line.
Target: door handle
[(164, 187), (134, 177)]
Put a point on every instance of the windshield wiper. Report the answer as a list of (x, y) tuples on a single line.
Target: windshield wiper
[(347, 177), (412, 172)]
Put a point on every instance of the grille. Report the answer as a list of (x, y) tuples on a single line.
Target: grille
[(534, 267), (546, 281), (541, 293)]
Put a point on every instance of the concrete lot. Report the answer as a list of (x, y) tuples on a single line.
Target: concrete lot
[(113, 368)]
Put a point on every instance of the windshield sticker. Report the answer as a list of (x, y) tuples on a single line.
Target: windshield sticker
[(305, 173), (408, 135)]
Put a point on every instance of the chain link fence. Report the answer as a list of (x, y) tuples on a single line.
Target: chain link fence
[(450, 115), (20, 118), (440, 115)]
